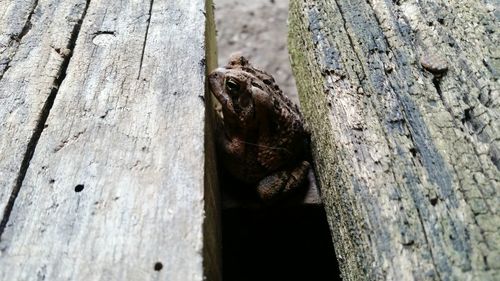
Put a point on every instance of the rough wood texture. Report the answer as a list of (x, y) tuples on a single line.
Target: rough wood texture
[(33, 40), (407, 157), (102, 141)]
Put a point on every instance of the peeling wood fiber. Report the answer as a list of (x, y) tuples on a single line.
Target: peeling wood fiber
[(402, 98)]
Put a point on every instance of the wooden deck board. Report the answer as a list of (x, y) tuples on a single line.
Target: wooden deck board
[(116, 183), (406, 152)]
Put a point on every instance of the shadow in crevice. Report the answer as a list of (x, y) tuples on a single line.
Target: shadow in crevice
[(278, 243)]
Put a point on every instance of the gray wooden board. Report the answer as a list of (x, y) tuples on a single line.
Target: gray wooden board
[(408, 162), (127, 125)]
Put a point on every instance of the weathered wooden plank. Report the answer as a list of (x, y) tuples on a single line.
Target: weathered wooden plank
[(32, 43), (406, 152), (116, 186)]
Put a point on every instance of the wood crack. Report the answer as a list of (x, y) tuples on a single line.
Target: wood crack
[(44, 114), (27, 25), (351, 42), (428, 244), (145, 38), (26, 28)]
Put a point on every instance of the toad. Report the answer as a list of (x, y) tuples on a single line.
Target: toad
[(261, 137)]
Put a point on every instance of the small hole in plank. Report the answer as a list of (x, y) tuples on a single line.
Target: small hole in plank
[(79, 187), (158, 266), (467, 116), (433, 201), (413, 151)]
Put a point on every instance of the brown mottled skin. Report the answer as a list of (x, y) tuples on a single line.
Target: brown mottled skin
[(261, 135)]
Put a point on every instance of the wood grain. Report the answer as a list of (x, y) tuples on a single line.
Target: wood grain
[(115, 188), (407, 154), (33, 41)]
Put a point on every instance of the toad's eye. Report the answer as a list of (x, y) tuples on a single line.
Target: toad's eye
[(232, 86)]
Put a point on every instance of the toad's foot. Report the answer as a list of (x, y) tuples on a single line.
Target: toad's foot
[(283, 181)]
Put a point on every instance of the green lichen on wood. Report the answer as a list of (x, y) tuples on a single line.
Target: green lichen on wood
[(325, 151), (407, 157), (212, 254)]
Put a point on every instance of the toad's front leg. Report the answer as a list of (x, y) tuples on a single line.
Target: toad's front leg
[(283, 181)]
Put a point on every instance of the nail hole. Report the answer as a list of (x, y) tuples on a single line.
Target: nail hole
[(158, 266), (467, 116), (52, 180), (79, 187), (433, 201)]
